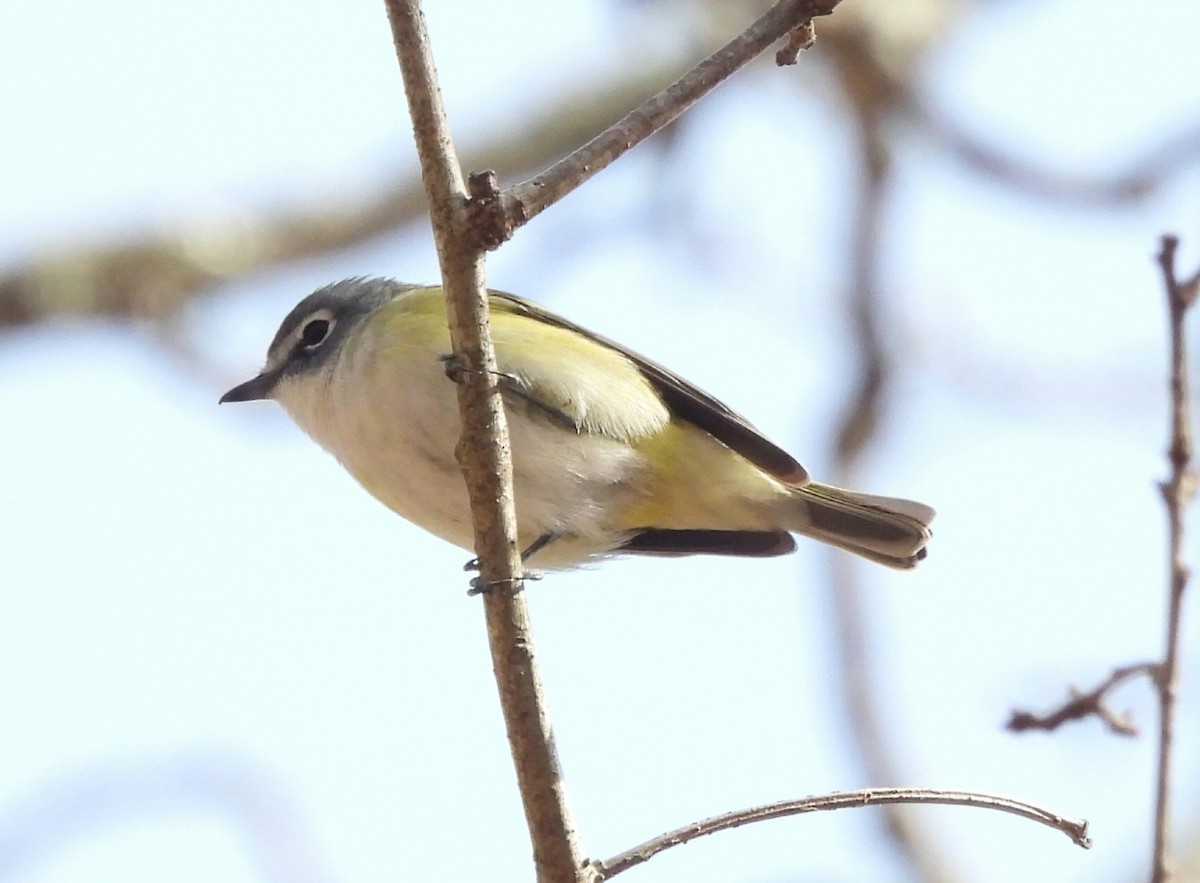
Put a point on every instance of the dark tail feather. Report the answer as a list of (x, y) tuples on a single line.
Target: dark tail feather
[(885, 530)]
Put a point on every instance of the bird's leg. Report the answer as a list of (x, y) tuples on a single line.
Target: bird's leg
[(540, 543)]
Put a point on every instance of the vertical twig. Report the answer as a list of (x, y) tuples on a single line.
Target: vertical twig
[(484, 455), (1177, 492)]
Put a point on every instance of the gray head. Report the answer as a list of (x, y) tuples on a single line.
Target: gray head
[(313, 331)]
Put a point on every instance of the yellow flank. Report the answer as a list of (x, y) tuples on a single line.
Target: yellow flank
[(694, 481)]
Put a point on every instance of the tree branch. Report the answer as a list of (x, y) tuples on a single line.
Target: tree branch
[(1076, 829), (1177, 492), (483, 453)]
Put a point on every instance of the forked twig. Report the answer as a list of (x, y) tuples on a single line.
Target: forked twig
[(1090, 704), (518, 204), (1177, 491)]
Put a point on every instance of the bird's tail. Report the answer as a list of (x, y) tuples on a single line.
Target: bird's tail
[(886, 530)]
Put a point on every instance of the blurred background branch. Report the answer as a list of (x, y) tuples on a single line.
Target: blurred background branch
[(257, 808), (858, 671), (152, 275)]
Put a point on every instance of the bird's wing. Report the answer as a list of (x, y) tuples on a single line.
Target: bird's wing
[(684, 400)]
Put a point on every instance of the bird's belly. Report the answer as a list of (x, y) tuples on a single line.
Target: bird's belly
[(565, 482)]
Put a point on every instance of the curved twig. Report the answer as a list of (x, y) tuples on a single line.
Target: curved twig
[(1076, 829)]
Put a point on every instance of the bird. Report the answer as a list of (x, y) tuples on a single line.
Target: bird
[(612, 454)]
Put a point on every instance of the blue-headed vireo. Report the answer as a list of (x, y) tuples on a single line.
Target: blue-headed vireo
[(612, 453)]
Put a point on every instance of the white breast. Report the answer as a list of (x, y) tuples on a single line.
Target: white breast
[(393, 423)]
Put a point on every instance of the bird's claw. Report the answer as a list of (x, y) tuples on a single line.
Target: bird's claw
[(481, 586)]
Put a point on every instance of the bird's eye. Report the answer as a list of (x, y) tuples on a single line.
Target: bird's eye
[(314, 333)]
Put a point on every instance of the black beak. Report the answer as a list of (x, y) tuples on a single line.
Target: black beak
[(254, 390)]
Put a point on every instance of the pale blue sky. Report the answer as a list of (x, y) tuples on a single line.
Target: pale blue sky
[(206, 620)]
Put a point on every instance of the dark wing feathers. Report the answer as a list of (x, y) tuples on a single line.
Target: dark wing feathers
[(742, 543)]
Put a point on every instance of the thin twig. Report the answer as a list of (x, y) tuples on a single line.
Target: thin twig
[(1177, 491), (1080, 705), (484, 456), (524, 201), (1076, 829)]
